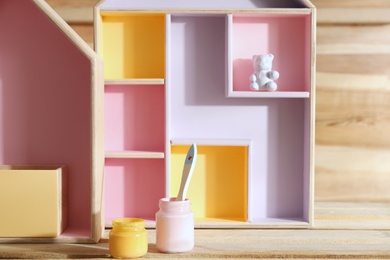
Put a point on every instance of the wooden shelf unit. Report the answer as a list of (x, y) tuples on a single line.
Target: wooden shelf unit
[(200, 62)]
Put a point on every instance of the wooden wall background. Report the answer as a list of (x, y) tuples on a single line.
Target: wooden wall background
[(353, 94)]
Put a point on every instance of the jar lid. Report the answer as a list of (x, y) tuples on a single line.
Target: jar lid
[(128, 223), (175, 205)]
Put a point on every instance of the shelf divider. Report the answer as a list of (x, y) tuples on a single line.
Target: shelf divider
[(135, 154), (143, 81), (265, 94)]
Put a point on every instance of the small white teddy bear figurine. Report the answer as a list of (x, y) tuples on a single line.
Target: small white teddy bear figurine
[(263, 77)]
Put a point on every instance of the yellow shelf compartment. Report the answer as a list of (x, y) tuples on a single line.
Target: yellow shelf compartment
[(133, 45), (218, 188)]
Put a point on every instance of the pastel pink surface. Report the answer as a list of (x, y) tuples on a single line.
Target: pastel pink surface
[(134, 121), (133, 187), (45, 101), (134, 117), (284, 37)]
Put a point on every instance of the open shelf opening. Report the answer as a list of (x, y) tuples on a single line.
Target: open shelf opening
[(283, 36), (133, 188), (133, 45), (218, 188), (134, 118)]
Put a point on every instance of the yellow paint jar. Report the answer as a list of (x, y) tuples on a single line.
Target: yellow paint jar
[(128, 238)]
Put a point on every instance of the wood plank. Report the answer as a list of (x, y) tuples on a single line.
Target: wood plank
[(85, 31), (74, 11), (349, 39), (72, 3), (76, 15), (358, 216), (342, 230), (340, 132), (352, 174), (353, 12), (356, 63), (350, 3), (353, 82), (356, 162), (352, 15), (353, 109), (213, 244)]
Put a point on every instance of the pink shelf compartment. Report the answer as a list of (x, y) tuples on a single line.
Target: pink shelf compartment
[(284, 35), (133, 188), (134, 118)]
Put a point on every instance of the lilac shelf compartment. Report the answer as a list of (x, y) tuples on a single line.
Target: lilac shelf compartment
[(278, 129)]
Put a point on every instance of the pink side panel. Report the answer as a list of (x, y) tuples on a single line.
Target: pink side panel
[(45, 101)]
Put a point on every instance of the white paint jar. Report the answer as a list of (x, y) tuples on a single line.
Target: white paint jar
[(174, 226)]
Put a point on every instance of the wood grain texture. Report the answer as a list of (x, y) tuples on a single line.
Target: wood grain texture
[(350, 11), (74, 11), (342, 231), (353, 95), (353, 101)]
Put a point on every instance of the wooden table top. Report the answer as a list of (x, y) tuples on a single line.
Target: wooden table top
[(341, 230)]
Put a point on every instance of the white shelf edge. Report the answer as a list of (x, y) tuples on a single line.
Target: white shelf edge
[(261, 11), (135, 154), (219, 223), (267, 223), (140, 81), (263, 94), (211, 142)]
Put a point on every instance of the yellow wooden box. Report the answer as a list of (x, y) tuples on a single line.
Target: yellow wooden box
[(33, 201)]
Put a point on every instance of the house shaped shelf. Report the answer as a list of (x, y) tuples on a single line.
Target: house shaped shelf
[(51, 85), (177, 72)]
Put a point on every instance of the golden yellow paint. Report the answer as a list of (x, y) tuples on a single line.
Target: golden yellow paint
[(128, 238), (218, 187), (133, 46), (30, 202)]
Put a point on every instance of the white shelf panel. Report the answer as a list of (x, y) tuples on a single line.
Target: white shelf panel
[(264, 94), (204, 5), (135, 154), (221, 142), (207, 222), (134, 82), (259, 223)]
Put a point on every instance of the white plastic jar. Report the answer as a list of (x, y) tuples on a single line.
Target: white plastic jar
[(174, 226)]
